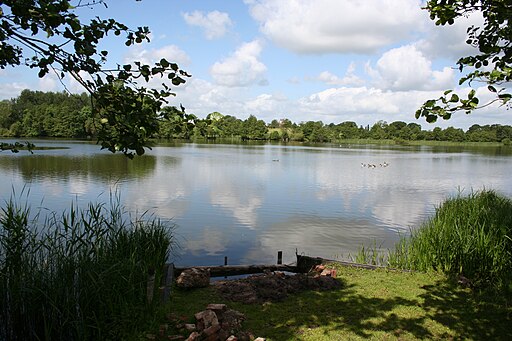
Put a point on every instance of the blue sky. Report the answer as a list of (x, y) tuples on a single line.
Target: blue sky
[(328, 60)]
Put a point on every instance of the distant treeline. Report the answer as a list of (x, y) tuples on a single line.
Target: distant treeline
[(59, 114)]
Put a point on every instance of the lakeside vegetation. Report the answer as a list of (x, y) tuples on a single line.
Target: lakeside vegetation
[(460, 289), (372, 305), (468, 236), (83, 274), (59, 114), (78, 275)]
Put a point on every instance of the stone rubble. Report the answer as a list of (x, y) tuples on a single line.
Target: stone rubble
[(276, 286), (193, 278), (216, 323)]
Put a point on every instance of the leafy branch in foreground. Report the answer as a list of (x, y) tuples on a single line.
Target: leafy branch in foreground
[(492, 65), (49, 36)]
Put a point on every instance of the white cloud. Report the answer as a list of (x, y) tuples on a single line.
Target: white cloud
[(362, 104), (293, 80), (334, 26), (50, 82), (267, 106), (449, 41), (11, 90), (350, 77), (201, 97), (406, 68), (208, 241), (214, 24), (149, 56), (242, 68)]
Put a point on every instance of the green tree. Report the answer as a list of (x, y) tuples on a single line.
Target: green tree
[(230, 126), (503, 132), (5, 116), (491, 65), (285, 123), (175, 123), (478, 133), (453, 134), (274, 135), (48, 35), (314, 131), (394, 129), (378, 130), (254, 129), (347, 130), (274, 124), (412, 132)]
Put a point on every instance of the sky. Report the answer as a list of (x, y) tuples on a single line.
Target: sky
[(323, 60)]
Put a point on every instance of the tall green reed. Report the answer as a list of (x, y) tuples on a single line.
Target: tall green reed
[(469, 235), (372, 255), (81, 275)]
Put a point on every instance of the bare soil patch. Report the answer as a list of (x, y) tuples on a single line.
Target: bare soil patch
[(273, 286)]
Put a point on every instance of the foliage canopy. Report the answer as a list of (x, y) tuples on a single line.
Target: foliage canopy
[(492, 64), (48, 35)]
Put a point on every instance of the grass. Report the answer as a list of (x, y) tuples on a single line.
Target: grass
[(82, 275), (374, 305), (468, 235)]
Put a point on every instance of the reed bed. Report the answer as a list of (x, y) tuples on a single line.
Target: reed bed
[(468, 235), (79, 275)]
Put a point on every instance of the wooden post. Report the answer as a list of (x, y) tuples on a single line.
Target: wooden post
[(225, 263), (279, 257), (169, 278), (150, 288)]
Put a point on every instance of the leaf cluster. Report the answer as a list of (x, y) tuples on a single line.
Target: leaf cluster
[(48, 35), (492, 64)]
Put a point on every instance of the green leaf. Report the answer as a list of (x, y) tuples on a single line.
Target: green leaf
[(505, 97), (164, 63), (430, 103), (431, 118)]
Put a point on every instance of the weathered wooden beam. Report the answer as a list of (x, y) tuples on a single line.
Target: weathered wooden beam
[(234, 270), (306, 263)]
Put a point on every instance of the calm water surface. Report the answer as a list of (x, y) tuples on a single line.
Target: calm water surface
[(249, 201)]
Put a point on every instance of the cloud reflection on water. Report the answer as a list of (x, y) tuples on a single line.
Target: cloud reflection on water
[(239, 200)]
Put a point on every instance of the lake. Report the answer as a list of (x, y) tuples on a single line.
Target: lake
[(248, 201)]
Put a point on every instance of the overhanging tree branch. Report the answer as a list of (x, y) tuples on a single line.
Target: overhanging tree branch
[(492, 64), (129, 112)]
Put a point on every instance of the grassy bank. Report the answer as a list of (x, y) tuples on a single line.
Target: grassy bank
[(375, 305), (468, 235), (81, 275)]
